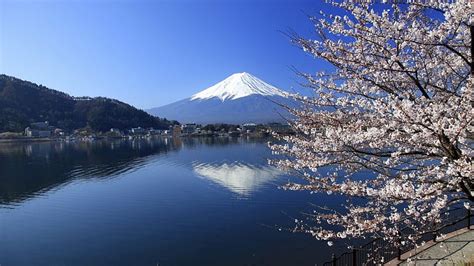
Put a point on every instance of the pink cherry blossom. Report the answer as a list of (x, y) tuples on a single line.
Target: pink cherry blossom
[(398, 104)]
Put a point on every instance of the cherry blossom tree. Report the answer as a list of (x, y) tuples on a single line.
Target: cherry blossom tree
[(399, 103)]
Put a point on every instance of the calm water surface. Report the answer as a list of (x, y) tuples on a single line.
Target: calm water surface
[(149, 202)]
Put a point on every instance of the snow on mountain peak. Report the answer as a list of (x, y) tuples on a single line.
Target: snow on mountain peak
[(237, 86)]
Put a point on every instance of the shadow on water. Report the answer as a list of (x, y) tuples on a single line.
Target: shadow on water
[(29, 169)]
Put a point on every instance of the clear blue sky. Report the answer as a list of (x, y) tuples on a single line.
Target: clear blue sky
[(150, 53)]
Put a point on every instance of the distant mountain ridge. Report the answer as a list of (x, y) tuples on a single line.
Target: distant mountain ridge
[(240, 98), (23, 102)]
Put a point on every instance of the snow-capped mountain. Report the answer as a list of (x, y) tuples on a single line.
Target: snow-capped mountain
[(240, 98), (237, 86)]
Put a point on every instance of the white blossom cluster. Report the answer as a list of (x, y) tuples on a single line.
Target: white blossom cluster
[(398, 104)]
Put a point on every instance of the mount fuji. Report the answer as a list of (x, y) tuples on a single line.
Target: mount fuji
[(240, 98)]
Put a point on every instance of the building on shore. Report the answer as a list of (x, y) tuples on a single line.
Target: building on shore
[(35, 133), (154, 132), (138, 131), (188, 129), (249, 127), (39, 130)]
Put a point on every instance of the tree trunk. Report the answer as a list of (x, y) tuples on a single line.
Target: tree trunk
[(472, 48)]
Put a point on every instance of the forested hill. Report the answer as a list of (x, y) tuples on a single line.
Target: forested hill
[(23, 102)]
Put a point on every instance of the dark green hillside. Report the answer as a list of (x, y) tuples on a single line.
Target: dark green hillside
[(23, 102)]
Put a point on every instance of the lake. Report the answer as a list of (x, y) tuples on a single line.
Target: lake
[(163, 201)]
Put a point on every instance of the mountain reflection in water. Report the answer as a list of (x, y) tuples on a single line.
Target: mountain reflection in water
[(30, 169), (166, 201), (238, 177)]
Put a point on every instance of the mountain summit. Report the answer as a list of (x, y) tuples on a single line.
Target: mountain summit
[(240, 98), (237, 86)]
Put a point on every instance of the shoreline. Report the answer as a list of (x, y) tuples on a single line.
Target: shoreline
[(13, 140), (27, 139)]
